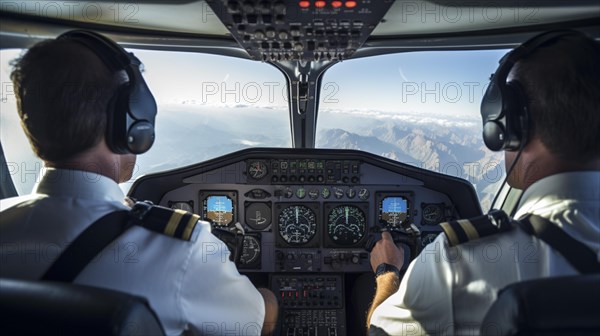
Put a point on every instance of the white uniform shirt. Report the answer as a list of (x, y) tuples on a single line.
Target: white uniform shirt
[(191, 285), (448, 290)]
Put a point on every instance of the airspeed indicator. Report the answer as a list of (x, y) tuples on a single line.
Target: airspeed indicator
[(297, 224), (346, 225)]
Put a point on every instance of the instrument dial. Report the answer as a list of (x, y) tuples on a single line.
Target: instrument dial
[(393, 210), (433, 214), (297, 224), (219, 209), (258, 216), (250, 250), (338, 192), (185, 206), (346, 225), (363, 194), (257, 169)]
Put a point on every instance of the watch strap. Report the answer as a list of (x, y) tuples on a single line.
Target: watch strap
[(386, 268)]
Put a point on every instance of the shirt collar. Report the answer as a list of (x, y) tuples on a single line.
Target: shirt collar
[(78, 184), (577, 186)]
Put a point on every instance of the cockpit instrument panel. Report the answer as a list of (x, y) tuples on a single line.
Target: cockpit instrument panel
[(311, 210)]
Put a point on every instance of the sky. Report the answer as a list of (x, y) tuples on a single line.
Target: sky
[(232, 93)]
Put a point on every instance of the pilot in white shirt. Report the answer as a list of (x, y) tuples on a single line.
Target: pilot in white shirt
[(447, 290), (88, 141), (192, 285)]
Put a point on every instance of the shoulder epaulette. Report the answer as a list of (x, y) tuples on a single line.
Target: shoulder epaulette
[(465, 230), (174, 223)]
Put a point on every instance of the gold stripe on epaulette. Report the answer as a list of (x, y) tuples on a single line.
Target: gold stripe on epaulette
[(187, 233), (449, 231), (174, 222), (470, 230)]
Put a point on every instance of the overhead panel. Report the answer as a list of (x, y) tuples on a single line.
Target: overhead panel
[(300, 30)]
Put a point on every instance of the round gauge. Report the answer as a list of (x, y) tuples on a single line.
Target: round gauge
[(428, 239), (257, 169), (338, 192), (250, 250), (300, 192), (288, 192), (346, 225), (433, 213), (258, 216), (297, 224), (325, 193), (185, 206), (313, 193), (351, 193), (363, 194)]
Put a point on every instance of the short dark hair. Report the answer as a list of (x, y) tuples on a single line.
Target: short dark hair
[(63, 92), (562, 84)]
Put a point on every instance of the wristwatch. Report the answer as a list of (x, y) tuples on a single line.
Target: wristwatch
[(385, 268)]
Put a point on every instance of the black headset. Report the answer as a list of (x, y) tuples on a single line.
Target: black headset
[(504, 107), (132, 110)]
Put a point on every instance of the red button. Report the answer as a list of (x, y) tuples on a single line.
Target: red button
[(304, 4), (336, 4), (350, 4), (320, 4)]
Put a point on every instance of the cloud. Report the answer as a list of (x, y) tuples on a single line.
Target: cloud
[(410, 117), (250, 142)]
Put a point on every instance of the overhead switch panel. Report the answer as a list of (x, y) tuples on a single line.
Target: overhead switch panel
[(300, 30)]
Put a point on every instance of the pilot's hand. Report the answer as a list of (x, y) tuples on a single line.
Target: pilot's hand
[(129, 202), (385, 251)]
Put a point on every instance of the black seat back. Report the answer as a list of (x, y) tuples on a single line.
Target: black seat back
[(550, 306), (48, 308)]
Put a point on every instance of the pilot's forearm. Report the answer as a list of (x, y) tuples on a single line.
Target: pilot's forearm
[(387, 284), (271, 310)]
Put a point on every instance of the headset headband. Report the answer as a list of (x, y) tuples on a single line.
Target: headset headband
[(132, 110), (504, 107)]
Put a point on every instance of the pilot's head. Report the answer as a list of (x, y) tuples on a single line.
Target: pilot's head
[(561, 82), (64, 91)]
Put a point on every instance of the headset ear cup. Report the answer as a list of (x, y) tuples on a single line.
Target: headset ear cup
[(140, 137), (492, 114), (493, 135)]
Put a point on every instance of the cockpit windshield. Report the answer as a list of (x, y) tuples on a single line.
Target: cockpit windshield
[(419, 108), (207, 106)]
